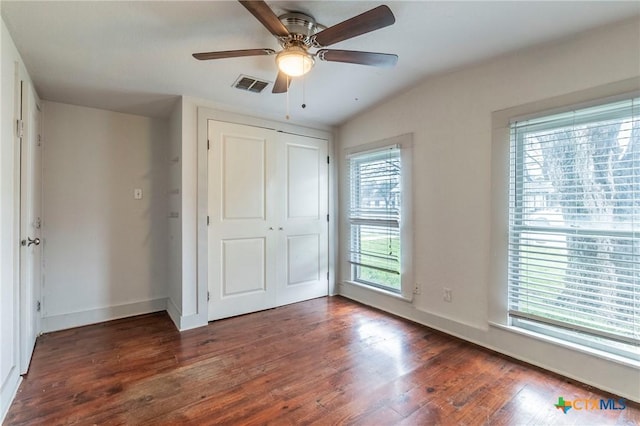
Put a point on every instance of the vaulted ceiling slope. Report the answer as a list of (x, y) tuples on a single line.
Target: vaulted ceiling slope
[(135, 57)]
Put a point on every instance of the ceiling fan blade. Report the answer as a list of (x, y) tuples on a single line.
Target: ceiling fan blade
[(282, 83), (265, 15), (355, 57), (371, 20), (232, 54)]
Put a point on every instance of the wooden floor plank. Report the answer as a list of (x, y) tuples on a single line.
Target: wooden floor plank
[(324, 361)]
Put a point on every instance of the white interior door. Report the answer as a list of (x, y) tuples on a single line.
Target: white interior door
[(30, 223), (242, 253), (302, 225)]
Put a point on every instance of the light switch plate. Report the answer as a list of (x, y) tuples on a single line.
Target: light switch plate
[(137, 193)]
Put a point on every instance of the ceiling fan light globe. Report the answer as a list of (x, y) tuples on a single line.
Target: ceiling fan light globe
[(295, 61)]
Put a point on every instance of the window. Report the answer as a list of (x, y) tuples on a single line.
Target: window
[(574, 226), (378, 218)]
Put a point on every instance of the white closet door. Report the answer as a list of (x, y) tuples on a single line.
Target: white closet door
[(268, 230), (242, 247), (302, 218)]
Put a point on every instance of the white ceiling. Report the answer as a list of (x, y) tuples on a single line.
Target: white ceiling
[(135, 56)]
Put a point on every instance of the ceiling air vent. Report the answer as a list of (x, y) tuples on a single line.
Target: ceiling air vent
[(250, 84)]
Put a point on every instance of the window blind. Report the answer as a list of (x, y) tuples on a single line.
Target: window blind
[(574, 224), (374, 217)]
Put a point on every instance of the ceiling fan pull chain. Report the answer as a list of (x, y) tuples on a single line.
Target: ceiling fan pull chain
[(304, 91), (287, 116)]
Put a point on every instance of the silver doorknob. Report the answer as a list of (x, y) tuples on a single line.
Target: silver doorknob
[(35, 241), (280, 228)]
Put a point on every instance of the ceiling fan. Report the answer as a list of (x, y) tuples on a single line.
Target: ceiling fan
[(298, 32)]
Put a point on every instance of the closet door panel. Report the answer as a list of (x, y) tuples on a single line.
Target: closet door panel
[(237, 278), (302, 271), (243, 181), (241, 240), (303, 259), (303, 183)]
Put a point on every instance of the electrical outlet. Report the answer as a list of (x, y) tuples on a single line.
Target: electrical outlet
[(447, 295), (416, 289)]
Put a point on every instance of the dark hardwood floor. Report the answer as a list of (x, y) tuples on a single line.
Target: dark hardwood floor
[(325, 361)]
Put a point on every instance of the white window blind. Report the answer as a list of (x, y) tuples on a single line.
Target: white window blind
[(374, 217), (574, 225)]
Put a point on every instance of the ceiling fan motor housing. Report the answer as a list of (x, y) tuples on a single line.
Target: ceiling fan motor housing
[(301, 27)]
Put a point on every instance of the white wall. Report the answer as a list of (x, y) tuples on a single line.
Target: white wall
[(193, 305), (174, 262), (11, 69), (105, 253), (450, 117), (187, 303)]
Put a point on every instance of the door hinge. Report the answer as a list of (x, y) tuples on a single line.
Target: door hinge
[(207, 220), (327, 275), (39, 141), (208, 144), (20, 128), (208, 297), (38, 306), (327, 159), (327, 218)]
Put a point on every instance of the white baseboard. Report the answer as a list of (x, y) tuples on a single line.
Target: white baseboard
[(8, 392), (187, 322), (193, 321), (174, 312), (93, 316)]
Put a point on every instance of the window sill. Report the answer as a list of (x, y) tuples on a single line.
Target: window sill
[(379, 290), (628, 362)]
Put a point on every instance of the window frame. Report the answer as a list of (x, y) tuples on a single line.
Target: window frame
[(404, 143), (386, 222), (593, 337), (498, 315)]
